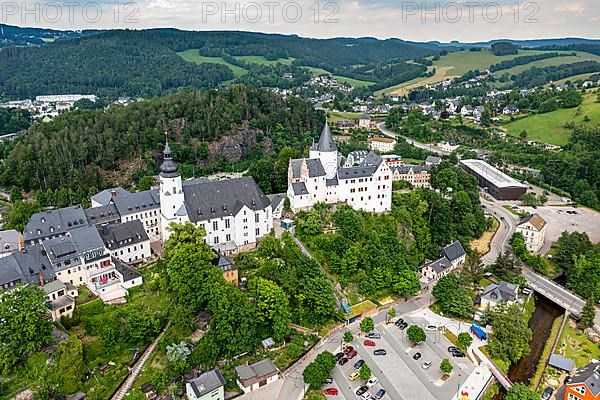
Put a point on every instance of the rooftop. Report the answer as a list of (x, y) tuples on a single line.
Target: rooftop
[(493, 175), (207, 382), (536, 220)]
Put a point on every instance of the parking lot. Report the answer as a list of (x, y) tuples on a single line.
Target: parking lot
[(399, 374)]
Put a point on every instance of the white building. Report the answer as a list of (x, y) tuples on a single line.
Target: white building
[(533, 229), (209, 385), (448, 147), (417, 175), (235, 213), (364, 121), (128, 241), (382, 144), (321, 178), (451, 257), (257, 375), (495, 294)]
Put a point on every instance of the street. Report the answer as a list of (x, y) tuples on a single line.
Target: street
[(424, 146)]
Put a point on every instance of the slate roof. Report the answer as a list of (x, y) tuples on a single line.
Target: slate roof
[(326, 143), (54, 222), (502, 291), (299, 188), (332, 182), (26, 266), (216, 199), (356, 172), (405, 169), (296, 167), (128, 273), (315, 168), (536, 220), (102, 215), (224, 263), (250, 374), (433, 160), (132, 203), (560, 362), (9, 241), (439, 265), (590, 376), (129, 233), (168, 168), (454, 251), (207, 382), (276, 199), (105, 196)]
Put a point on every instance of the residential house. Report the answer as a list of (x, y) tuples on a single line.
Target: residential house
[(392, 160), (478, 112), (451, 257), (230, 270), (61, 299), (448, 147), (494, 294), (432, 160), (277, 202), (128, 241), (533, 229), (510, 109), (584, 384), (257, 375), (364, 121), (10, 241), (417, 175), (456, 253), (53, 224), (382, 144), (466, 110), (209, 385)]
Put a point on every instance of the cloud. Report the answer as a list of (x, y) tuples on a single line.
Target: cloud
[(572, 8)]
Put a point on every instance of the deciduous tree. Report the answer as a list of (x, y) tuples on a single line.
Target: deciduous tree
[(416, 334)]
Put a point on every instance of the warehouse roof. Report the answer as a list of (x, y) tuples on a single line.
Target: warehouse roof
[(493, 175)]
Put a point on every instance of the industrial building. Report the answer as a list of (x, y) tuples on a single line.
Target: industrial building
[(496, 182)]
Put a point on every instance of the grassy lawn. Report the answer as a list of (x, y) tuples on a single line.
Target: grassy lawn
[(483, 243), (261, 60), (336, 116), (574, 344), (575, 78), (549, 127), (193, 56), (549, 62), (451, 66)]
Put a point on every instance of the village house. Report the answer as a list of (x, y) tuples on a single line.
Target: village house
[(496, 293), (417, 175), (254, 376), (61, 299), (451, 257), (533, 229), (364, 121), (209, 385), (128, 242), (584, 384), (381, 144)]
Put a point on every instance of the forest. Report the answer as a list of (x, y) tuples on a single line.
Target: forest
[(85, 149), (13, 120)]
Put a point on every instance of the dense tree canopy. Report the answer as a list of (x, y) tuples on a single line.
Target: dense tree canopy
[(510, 336)]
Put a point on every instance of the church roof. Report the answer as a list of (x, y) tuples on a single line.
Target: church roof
[(216, 199), (326, 142)]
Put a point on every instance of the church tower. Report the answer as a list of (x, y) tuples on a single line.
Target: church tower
[(326, 151), (172, 208)]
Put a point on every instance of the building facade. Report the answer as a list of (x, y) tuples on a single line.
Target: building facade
[(417, 175), (533, 229), (257, 375), (496, 182), (327, 177)]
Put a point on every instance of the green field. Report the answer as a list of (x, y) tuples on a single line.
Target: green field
[(549, 127), (575, 78), (452, 66), (261, 60), (549, 62), (340, 78), (335, 116), (193, 56)]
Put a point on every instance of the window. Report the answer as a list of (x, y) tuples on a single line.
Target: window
[(256, 218), (215, 225), (228, 237), (216, 240), (257, 231), (227, 224)]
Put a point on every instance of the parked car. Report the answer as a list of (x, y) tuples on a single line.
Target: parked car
[(416, 356), (351, 355), (458, 354), (369, 343), (399, 322), (353, 376), (372, 382), (328, 381), (348, 349), (366, 396), (403, 326), (343, 361), (431, 328), (380, 352), (339, 356), (361, 390), (547, 394), (452, 349), (379, 394), (374, 335), (426, 364), (359, 364), (331, 392)]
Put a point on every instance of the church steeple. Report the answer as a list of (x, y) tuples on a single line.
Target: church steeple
[(168, 168), (326, 143)]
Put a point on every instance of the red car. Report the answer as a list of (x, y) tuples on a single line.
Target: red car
[(331, 392), (348, 349), (351, 355), (369, 343), (343, 361)]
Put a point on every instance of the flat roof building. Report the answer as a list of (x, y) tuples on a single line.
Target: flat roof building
[(496, 182)]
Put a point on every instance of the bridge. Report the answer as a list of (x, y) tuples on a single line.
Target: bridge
[(571, 302)]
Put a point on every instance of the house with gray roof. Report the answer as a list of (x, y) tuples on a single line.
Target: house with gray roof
[(496, 293), (455, 252), (128, 241), (53, 223), (363, 180), (451, 257), (432, 160), (254, 376), (584, 384), (102, 215), (105, 197), (209, 385)]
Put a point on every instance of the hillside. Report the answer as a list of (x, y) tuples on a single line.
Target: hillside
[(86, 149), (149, 65)]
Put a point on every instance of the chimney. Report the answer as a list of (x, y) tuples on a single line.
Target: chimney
[(113, 193), (41, 279)]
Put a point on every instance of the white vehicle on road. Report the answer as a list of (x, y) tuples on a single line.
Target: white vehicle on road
[(372, 382)]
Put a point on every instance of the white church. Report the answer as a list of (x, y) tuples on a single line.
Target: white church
[(326, 176), (234, 212)]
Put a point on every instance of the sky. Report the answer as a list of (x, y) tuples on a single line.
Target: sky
[(441, 20)]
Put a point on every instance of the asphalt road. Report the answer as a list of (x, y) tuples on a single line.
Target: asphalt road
[(508, 223)]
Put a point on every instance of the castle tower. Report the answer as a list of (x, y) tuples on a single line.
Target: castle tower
[(327, 152), (172, 207)]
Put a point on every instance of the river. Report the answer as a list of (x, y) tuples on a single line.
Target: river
[(540, 323)]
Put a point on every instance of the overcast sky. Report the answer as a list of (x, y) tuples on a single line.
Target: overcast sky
[(418, 21)]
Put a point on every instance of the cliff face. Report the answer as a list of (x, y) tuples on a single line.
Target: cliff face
[(236, 145)]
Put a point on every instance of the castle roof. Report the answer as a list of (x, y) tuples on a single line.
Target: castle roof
[(326, 143)]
